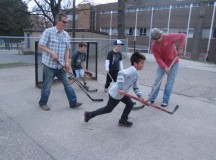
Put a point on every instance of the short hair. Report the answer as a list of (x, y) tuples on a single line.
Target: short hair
[(156, 33), (59, 16), (82, 44), (137, 57)]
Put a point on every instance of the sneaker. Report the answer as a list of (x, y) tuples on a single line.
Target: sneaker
[(149, 102), (105, 89), (75, 105), (45, 107), (125, 123), (86, 116), (164, 104)]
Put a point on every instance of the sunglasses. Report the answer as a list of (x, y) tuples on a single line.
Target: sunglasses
[(157, 38), (65, 22)]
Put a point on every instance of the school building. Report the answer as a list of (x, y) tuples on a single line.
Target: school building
[(141, 16)]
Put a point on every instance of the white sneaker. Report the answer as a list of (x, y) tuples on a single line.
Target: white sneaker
[(163, 104)]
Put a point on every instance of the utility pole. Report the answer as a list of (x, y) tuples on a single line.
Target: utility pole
[(74, 20), (198, 30), (121, 19)]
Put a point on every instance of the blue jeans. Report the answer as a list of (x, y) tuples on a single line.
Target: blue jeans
[(169, 84), (79, 73), (48, 76)]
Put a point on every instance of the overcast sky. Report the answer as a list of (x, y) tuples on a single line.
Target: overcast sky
[(95, 2)]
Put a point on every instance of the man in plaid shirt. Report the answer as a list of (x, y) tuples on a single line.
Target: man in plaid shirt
[(55, 45)]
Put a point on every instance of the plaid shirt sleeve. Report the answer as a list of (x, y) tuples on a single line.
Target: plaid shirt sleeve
[(68, 41), (44, 38)]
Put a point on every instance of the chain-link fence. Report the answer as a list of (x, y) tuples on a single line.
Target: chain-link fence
[(20, 45), (104, 45), (97, 48), (26, 45)]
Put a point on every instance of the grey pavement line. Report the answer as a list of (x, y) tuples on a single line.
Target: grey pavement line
[(19, 126)]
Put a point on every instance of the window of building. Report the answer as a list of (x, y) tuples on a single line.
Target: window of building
[(195, 4), (165, 30), (142, 31), (106, 30), (214, 33), (211, 3), (114, 31), (182, 30), (190, 32), (205, 33), (129, 31), (173, 30)]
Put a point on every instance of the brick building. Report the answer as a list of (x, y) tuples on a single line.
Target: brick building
[(168, 15)]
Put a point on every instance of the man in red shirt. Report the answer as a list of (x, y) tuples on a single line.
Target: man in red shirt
[(165, 52)]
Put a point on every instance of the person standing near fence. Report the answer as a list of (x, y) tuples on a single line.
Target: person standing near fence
[(113, 63), (55, 45), (164, 50), (78, 63)]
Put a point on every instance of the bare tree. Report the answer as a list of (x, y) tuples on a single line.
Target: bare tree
[(198, 30)]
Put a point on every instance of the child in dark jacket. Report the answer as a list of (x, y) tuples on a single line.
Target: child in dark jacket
[(113, 63)]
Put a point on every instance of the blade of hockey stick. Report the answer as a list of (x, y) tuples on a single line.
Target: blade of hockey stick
[(152, 105), (79, 84), (139, 107), (88, 90), (91, 90), (174, 110)]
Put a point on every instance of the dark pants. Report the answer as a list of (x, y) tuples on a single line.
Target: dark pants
[(113, 74), (111, 104)]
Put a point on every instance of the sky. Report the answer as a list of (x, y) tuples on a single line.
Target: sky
[(95, 2)]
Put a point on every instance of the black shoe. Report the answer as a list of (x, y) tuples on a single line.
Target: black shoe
[(45, 107), (86, 116), (75, 105), (125, 123)]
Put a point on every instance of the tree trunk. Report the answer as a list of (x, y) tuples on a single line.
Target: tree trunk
[(121, 19), (198, 30)]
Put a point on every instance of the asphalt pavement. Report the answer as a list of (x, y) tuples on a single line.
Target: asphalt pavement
[(28, 133)]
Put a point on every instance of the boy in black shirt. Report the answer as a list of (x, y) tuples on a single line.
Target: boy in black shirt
[(78, 63), (113, 63)]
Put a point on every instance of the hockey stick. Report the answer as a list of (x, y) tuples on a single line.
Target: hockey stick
[(134, 108), (89, 90), (152, 105), (111, 77), (158, 84), (79, 83)]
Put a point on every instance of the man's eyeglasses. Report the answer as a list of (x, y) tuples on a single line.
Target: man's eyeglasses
[(65, 22)]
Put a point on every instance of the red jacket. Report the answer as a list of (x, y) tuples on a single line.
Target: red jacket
[(165, 50)]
